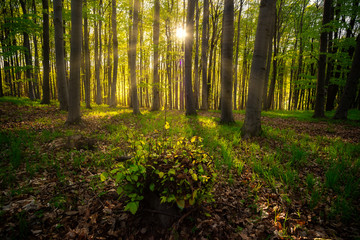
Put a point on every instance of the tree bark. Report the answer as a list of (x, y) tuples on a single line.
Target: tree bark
[(204, 59), (75, 61), (252, 123), (352, 81), (98, 58), (156, 34), (28, 56), (133, 42), (227, 63), (87, 59), (237, 56), (189, 95), (115, 55), (320, 88), (46, 53), (63, 94)]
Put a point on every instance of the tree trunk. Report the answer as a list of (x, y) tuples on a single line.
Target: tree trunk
[(204, 50), (320, 88), (196, 60), (98, 58), (352, 81), (115, 55), (87, 59), (46, 53), (75, 61), (133, 42), (227, 63), (189, 95), (63, 94), (28, 55), (156, 35), (252, 123), (237, 56)]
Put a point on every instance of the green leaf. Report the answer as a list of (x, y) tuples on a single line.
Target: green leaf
[(152, 187), (161, 174), (172, 171), (132, 207), (180, 203), (103, 176), (119, 190)]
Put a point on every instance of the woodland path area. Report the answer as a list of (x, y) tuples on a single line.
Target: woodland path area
[(51, 189)]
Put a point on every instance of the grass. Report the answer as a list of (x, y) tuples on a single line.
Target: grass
[(324, 172)]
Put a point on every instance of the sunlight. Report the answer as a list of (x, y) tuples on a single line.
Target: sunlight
[(180, 33)]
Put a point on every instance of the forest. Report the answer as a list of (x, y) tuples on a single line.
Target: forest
[(192, 119)]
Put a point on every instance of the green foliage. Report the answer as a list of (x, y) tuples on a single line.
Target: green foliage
[(179, 172)]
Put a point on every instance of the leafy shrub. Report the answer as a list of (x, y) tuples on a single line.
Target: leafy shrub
[(180, 173)]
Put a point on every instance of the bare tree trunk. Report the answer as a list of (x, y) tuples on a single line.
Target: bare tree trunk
[(237, 56), (75, 61), (46, 52), (189, 95), (156, 35), (28, 56), (133, 42), (97, 57), (204, 50), (352, 81), (196, 60), (252, 123), (87, 59), (63, 94), (320, 88), (115, 55), (227, 63)]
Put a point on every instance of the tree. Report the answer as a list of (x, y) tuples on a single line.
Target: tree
[(98, 58), (62, 87), (28, 57), (133, 41), (227, 63), (75, 61), (156, 33), (115, 55), (87, 58), (46, 53), (352, 81), (189, 95), (320, 88), (252, 123), (204, 49)]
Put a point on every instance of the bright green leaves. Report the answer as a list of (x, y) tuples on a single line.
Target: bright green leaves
[(180, 173)]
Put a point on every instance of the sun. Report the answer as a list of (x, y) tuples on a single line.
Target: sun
[(180, 33)]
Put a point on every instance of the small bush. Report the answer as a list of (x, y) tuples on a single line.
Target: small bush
[(180, 173)]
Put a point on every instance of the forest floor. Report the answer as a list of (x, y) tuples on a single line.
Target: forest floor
[(299, 180)]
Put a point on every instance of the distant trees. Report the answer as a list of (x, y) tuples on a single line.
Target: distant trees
[(157, 77)]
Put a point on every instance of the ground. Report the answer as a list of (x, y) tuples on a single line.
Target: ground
[(298, 180)]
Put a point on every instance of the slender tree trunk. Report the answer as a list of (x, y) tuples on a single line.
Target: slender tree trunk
[(87, 59), (227, 63), (97, 57), (196, 60), (237, 56), (168, 61), (189, 95), (75, 61), (320, 88), (63, 94), (28, 56), (352, 81), (156, 35), (46, 53), (133, 42), (252, 123), (115, 55), (204, 59)]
